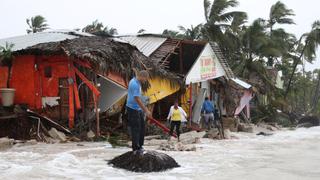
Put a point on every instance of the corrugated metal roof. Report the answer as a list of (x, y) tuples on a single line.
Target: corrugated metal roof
[(146, 44), (22, 42)]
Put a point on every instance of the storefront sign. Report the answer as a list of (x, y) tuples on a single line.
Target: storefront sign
[(207, 67)]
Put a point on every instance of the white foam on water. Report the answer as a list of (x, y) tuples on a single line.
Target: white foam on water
[(284, 155)]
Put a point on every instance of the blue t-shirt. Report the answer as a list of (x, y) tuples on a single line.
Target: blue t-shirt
[(207, 107), (134, 90)]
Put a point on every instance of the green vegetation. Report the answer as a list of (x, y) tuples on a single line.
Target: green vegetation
[(254, 49), (6, 58), (98, 28), (37, 24)]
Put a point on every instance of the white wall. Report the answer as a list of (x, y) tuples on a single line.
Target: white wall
[(197, 73)]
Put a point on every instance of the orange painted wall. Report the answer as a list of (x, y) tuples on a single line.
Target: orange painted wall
[(30, 82), (59, 66), (23, 80), (3, 76), (116, 77)]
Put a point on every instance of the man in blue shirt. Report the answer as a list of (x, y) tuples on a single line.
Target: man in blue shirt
[(208, 112), (136, 110)]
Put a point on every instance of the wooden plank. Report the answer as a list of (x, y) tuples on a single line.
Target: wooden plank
[(87, 82), (75, 88), (161, 126)]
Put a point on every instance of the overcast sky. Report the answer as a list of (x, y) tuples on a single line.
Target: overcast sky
[(128, 16)]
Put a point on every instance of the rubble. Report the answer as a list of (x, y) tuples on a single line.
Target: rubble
[(246, 128), (230, 123), (172, 146), (152, 137), (212, 134), (191, 137), (227, 134), (91, 134), (6, 143), (270, 127), (54, 133), (154, 142)]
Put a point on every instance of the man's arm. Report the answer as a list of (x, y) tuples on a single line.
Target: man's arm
[(144, 108)]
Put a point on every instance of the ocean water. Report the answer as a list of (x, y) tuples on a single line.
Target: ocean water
[(286, 155)]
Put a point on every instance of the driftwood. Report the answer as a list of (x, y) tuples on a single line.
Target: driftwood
[(150, 161)]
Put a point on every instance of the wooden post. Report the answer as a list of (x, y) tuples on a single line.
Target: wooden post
[(71, 96), (190, 104), (96, 103), (181, 60)]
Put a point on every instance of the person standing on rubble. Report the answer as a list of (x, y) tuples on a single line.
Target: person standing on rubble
[(176, 115), (208, 112), (136, 111)]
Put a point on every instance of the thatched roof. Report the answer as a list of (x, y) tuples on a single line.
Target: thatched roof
[(103, 54)]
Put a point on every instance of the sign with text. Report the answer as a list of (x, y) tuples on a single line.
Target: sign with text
[(207, 67)]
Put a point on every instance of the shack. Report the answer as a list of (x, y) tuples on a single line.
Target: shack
[(204, 70), (74, 78)]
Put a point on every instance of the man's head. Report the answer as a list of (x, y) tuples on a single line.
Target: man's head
[(207, 98), (143, 76), (176, 103)]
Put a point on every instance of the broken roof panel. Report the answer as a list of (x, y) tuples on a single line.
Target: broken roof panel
[(146, 44), (24, 41), (241, 83)]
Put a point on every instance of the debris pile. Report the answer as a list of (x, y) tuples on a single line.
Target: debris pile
[(171, 146), (6, 143)]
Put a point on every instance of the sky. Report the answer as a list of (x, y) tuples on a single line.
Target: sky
[(129, 16)]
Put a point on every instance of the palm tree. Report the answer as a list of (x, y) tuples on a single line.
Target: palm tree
[(141, 31), (111, 31), (37, 24), (279, 14), (223, 27), (99, 29), (254, 39), (171, 33), (6, 58), (306, 49), (316, 97), (95, 26), (218, 18), (192, 33)]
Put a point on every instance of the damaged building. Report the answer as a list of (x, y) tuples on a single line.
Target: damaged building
[(73, 78), (205, 72)]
